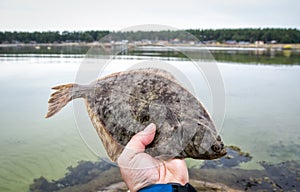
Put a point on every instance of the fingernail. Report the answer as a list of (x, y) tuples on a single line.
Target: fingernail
[(150, 128)]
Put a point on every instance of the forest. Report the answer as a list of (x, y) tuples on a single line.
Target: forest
[(247, 35)]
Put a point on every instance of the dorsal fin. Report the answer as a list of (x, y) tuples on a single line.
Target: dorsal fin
[(160, 72)]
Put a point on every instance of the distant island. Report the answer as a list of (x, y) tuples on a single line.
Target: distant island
[(243, 36)]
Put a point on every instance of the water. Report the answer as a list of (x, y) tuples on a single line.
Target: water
[(262, 110), (262, 117), (30, 145)]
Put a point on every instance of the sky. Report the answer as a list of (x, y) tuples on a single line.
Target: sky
[(80, 15)]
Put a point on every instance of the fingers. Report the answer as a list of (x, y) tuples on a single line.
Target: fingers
[(139, 141)]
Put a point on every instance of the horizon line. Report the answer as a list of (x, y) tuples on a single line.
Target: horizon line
[(124, 30)]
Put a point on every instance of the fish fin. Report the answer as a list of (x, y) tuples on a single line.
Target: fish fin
[(160, 72), (60, 98)]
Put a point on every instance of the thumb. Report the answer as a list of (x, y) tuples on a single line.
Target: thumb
[(140, 140)]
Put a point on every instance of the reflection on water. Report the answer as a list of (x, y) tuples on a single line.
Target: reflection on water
[(287, 53), (253, 55), (262, 117), (224, 54)]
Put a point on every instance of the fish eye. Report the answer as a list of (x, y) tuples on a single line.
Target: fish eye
[(216, 148)]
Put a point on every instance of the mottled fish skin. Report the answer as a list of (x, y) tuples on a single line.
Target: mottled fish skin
[(122, 104)]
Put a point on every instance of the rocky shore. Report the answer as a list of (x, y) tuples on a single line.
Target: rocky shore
[(215, 176)]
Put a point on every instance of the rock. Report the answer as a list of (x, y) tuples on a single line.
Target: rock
[(116, 187), (211, 187), (101, 176)]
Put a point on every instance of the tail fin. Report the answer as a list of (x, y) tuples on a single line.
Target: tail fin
[(60, 98)]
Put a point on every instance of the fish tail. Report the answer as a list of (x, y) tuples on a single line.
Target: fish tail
[(60, 98)]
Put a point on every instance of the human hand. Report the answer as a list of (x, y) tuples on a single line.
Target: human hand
[(139, 169)]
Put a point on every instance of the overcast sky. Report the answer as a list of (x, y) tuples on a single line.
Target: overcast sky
[(42, 15)]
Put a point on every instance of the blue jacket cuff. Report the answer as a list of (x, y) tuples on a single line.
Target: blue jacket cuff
[(157, 187)]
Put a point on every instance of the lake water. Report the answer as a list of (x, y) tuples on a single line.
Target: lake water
[(262, 116)]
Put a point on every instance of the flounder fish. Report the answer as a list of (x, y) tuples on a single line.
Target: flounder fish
[(124, 103)]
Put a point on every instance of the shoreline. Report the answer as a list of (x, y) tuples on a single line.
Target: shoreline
[(212, 45), (105, 177)]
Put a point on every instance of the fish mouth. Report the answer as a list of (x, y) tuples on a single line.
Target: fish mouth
[(219, 155), (222, 153)]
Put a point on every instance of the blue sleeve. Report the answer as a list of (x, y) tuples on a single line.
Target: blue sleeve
[(157, 187)]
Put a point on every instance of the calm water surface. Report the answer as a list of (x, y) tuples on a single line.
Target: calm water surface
[(262, 116)]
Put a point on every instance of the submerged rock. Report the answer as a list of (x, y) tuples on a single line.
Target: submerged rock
[(41, 184), (102, 176), (83, 173), (283, 176), (284, 150)]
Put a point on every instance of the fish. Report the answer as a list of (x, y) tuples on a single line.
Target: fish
[(124, 103)]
